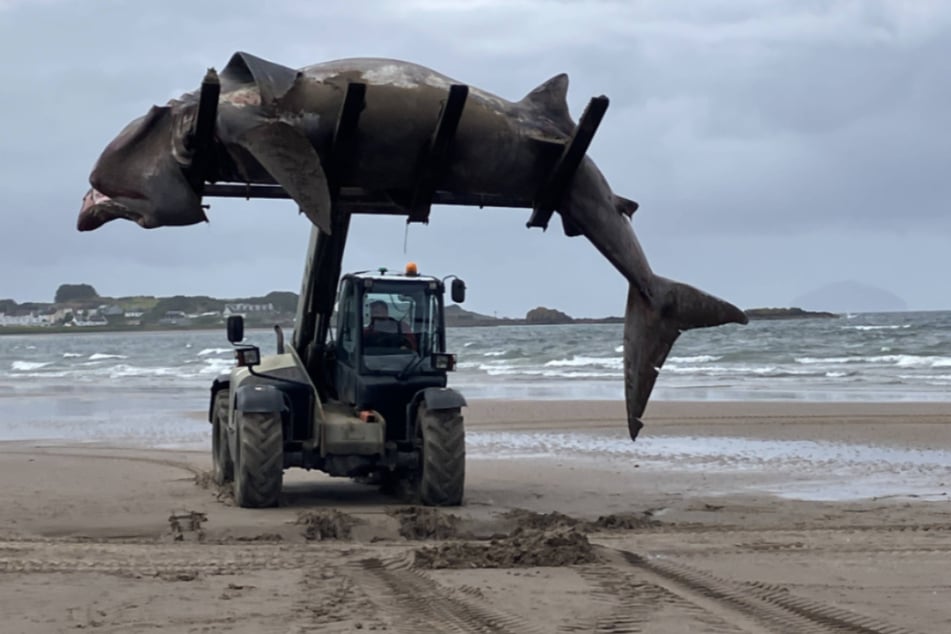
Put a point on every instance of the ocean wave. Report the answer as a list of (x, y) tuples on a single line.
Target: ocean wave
[(579, 361), (770, 371), (127, 371), (495, 353), (900, 360), (216, 366), (59, 374), (208, 351), (888, 327), (516, 371), (699, 358), (102, 356), (28, 366), (71, 355), (839, 374), (925, 377), (574, 374)]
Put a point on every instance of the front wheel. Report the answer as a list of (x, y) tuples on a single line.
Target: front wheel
[(259, 463), (442, 471), (222, 466)]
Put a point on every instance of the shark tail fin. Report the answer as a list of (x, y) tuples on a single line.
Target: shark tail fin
[(651, 330)]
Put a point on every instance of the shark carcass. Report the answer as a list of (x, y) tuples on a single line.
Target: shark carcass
[(384, 132)]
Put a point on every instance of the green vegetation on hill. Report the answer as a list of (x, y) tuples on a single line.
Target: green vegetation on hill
[(785, 313), (74, 292), (79, 306)]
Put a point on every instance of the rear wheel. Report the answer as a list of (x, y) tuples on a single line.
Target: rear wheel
[(442, 472), (259, 463), (222, 466)]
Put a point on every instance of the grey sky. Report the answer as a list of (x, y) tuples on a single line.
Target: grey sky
[(774, 146)]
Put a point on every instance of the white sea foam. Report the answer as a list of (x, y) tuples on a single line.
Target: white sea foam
[(699, 358), (506, 370), (216, 366), (208, 351), (737, 370), (71, 355), (583, 361), (28, 366), (101, 356), (574, 374), (925, 377), (900, 360), (495, 353), (126, 371), (888, 327)]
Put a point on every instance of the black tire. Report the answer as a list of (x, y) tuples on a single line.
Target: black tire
[(442, 471), (222, 465), (259, 465)]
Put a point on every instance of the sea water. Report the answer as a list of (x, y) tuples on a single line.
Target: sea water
[(152, 388), (67, 379)]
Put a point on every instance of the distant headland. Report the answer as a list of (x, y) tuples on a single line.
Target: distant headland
[(79, 306)]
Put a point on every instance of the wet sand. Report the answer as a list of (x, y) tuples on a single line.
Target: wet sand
[(724, 517)]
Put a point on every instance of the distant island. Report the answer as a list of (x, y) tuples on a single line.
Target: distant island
[(787, 313), (79, 306)]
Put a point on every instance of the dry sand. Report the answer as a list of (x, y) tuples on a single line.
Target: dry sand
[(725, 517)]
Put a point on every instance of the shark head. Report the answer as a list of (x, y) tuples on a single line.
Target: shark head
[(140, 175)]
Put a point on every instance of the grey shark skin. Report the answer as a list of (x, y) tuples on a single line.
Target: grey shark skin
[(275, 123)]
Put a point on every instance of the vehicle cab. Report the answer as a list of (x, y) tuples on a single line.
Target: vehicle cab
[(391, 342)]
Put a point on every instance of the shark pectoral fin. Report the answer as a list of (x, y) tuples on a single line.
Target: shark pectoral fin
[(650, 332), (293, 162), (272, 80)]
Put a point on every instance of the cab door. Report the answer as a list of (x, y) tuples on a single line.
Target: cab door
[(347, 343)]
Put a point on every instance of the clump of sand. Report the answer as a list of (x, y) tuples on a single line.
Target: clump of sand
[(548, 521), (623, 521), (525, 519), (328, 524), (525, 547), (420, 522), (223, 492)]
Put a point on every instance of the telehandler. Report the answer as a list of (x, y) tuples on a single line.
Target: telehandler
[(371, 402)]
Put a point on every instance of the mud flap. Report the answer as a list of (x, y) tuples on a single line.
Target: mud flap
[(260, 399)]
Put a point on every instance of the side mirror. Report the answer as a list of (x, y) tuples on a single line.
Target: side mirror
[(458, 291), (235, 328)]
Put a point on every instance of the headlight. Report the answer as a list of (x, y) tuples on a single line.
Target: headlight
[(248, 356), (444, 361)]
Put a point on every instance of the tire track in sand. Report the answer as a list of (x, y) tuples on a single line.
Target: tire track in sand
[(421, 603), (772, 606)]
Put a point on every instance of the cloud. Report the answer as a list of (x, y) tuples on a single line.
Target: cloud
[(804, 137)]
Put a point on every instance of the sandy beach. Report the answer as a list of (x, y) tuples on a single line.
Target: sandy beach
[(723, 517)]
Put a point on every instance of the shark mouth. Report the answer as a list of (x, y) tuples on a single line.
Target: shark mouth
[(98, 209)]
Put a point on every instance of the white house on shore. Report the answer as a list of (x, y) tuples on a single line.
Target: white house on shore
[(25, 320), (243, 309)]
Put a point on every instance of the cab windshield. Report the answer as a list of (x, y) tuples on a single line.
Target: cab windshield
[(400, 326)]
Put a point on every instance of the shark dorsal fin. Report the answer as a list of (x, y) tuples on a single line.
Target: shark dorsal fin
[(551, 99)]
